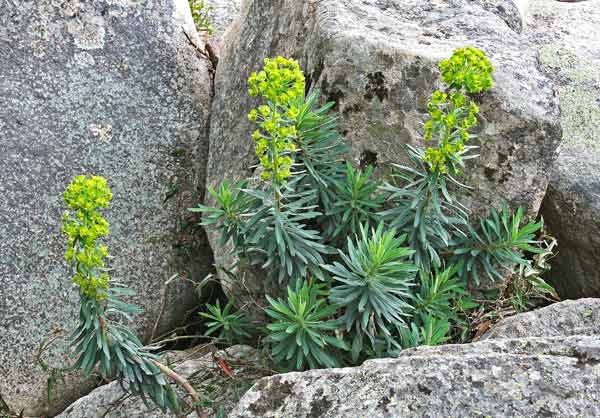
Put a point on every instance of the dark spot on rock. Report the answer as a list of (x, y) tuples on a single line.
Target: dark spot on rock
[(334, 96), (314, 76), (502, 158), (349, 109), (413, 71), (334, 378), (333, 92), (273, 393), (384, 57), (587, 356), (545, 413), (368, 158), (477, 384), (424, 389), (179, 152), (489, 173), (345, 132), (376, 86), (319, 406), (384, 402)]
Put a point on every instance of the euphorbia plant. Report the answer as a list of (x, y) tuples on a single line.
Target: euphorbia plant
[(100, 342), (394, 256)]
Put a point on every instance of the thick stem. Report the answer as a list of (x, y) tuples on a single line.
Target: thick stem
[(277, 196)]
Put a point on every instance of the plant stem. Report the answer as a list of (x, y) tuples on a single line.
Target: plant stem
[(183, 382)]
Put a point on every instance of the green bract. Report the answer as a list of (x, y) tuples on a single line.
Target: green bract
[(422, 207), (201, 15)]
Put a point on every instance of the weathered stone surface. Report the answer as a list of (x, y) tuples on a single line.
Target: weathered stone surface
[(378, 61), (111, 88), (511, 11), (223, 13), (533, 377), (111, 401), (568, 37), (571, 317)]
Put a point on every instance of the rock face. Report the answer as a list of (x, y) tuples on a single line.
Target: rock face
[(532, 377), (110, 401), (571, 317), (568, 38), (222, 14), (540, 363), (511, 11), (379, 64), (378, 61), (110, 88)]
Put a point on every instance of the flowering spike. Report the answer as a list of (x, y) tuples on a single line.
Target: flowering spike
[(84, 196), (453, 114), (282, 84)]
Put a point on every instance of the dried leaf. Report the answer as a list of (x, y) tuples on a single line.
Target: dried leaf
[(225, 367), (482, 329)]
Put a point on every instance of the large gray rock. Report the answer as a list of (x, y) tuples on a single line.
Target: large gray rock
[(533, 377), (111, 401), (568, 38), (112, 88), (571, 317), (378, 61)]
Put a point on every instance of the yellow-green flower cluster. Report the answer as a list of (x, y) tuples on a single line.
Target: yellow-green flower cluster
[(83, 228), (281, 83), (451, 118), (438, 158), (468, 68), (453, 114)]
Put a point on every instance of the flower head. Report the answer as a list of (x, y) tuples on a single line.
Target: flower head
[(452, 113), (84, 196), (282, 84), (468, 68)]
